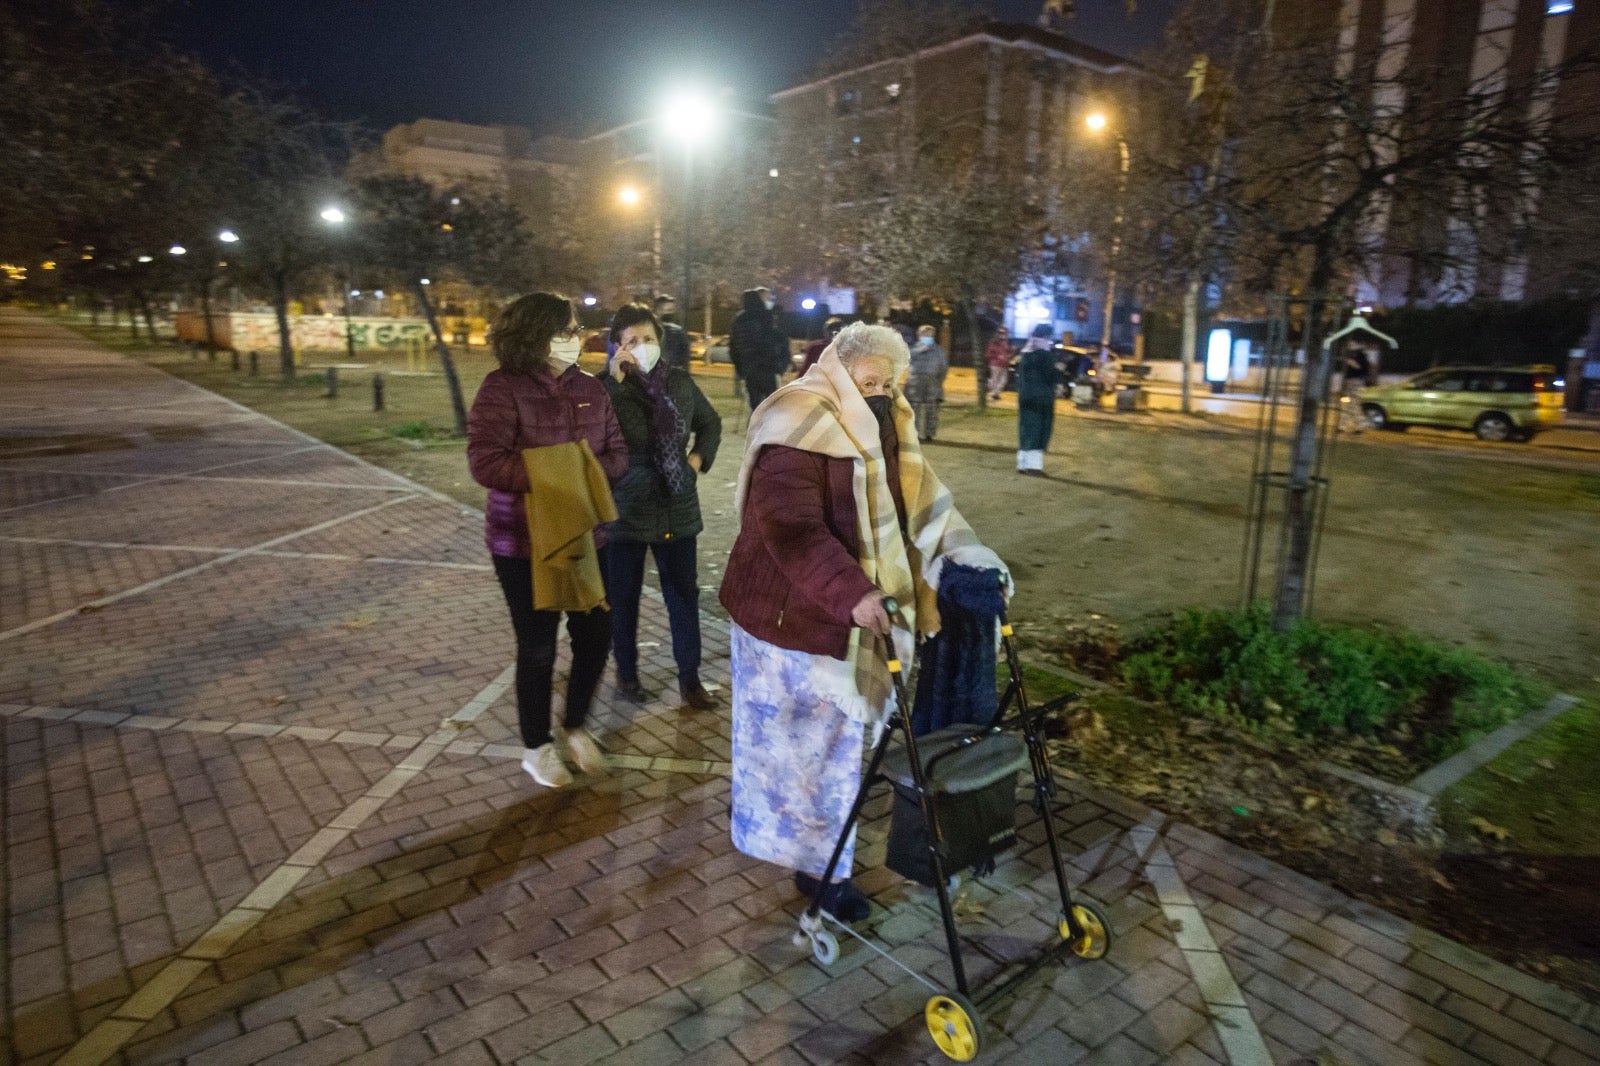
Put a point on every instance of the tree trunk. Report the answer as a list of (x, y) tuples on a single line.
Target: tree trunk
[(133, 320), (980, 365), (280, 304), (1191, 337), (205, 309), (457, 404), (149, 317), (1299, 512)]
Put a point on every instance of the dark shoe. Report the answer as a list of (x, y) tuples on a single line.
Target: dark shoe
[(841, 898), (696, 698), (633, 692)]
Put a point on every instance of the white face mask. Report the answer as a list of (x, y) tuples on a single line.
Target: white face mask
[(648, 355), (771, 304), (925, 341), (563, 352)]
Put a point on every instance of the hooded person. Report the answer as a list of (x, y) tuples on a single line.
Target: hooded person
[(838, 510), (1038, 375), (925, 385), (759, 352)]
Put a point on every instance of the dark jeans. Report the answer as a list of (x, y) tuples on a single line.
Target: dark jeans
[(590, 633), (623, 563), (758, 387)]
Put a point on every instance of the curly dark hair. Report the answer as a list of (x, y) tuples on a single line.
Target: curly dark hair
[(521, 335), (633, 315)]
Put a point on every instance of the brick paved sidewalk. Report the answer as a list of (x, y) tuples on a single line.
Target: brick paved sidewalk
[(261, 803)]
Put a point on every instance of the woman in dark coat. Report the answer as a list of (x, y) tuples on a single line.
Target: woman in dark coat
[(1037, 378), (539, 397), (660, 409)]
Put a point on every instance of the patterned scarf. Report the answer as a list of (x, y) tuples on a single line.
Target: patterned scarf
[(823, 412), (669, 431)]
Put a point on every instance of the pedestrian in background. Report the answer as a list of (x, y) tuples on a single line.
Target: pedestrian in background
[(672, 433), (997, 354), (814, 350), (1038, 375), (538, 397), (674, 341), (925, 386), (759, 352)]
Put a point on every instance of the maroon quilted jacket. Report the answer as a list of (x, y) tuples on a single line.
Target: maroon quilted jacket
[(793, 576), (517, 411)]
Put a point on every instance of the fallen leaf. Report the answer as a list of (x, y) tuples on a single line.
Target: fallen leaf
[(1489, 829), (1442, 881), (1545, 764), (277, 700), (1387, 838), (1309, 801), (358, 622)]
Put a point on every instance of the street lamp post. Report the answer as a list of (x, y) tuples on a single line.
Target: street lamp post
[(1097, 122), (333, 216), (689, 118)]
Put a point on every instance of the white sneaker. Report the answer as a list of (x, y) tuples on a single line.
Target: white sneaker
[(585, 751), (544, 765)]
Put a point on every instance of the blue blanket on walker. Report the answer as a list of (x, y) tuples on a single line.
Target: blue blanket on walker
[(956, 682)]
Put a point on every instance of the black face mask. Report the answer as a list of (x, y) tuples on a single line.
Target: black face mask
[(882, 407)]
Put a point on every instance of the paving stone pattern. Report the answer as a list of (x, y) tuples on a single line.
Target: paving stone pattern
[(218, 641)]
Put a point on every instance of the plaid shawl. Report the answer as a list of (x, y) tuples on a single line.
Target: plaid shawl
[(824, 412)]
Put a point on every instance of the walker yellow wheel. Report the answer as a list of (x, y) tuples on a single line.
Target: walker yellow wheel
[(1096, 938), (955, 1026)]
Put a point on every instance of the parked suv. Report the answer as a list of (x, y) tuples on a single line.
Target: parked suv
[(1496, 403)]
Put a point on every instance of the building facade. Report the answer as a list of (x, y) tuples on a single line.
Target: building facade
[(1001, 104)]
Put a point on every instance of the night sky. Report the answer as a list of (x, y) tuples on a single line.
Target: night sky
[(557, 66)]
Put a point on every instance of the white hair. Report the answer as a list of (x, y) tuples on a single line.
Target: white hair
[(859, 341)]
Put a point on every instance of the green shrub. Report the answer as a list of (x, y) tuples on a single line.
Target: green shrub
[(1320, 678)]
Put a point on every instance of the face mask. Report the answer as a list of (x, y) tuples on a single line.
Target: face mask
[(771, 304), (563, 352), (882, 407), (648, 355), (925, 342)]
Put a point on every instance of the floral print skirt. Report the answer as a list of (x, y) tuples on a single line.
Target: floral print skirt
[(796, 757)]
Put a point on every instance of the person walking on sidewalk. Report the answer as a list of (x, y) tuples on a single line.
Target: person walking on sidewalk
[(672, 433), (1038, 375), (838, 510), (997, 354), (760, 354), (925, 386), (539, 397)]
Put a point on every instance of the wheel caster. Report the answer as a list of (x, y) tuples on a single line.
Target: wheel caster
[(825, 947), (955, 1026), (1095, 940)]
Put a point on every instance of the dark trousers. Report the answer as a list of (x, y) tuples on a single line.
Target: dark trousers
[(590, 633), (623, 564), (759, 386)]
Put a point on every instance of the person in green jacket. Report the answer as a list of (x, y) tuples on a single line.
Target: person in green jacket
[(1037, 378), (672, 432)]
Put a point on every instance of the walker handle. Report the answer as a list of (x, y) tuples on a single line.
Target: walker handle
[(891, 606)]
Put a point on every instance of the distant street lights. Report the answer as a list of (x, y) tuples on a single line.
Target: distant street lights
[(630, 196), (1097, 122), (689, 118), (227, 236), (334, 216)]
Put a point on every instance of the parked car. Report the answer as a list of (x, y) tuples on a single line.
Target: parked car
[(1496, 403), (716, 351)]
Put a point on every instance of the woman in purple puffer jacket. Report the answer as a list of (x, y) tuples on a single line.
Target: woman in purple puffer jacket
[(539, 397)]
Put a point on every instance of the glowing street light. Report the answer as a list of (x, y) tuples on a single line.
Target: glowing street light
[(227, 236), (332, 215), (177, 249), (808, 304), (1097, 122), (628, 195), (147, 259), (689, 118), (589, 301)]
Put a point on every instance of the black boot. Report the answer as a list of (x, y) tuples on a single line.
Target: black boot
[(841, 898)]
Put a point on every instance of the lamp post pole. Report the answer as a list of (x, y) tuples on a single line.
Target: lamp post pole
[(1116, 241), (688, 227)]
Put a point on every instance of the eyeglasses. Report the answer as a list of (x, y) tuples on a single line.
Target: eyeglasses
[(570, 332)]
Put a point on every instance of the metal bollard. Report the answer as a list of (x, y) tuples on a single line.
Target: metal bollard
[(255, 364), (235, 353), (333, 383), (377, 392)]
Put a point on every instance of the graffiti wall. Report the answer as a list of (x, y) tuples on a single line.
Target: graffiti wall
[(246, 331)]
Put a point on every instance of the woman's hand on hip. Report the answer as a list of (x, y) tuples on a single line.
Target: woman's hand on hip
[(696, 462), (868, 613)]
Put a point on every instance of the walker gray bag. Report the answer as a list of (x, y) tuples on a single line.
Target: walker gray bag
[(971, 775)]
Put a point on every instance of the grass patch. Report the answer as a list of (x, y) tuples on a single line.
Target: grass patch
[(1543, 790), (416, 429), (1427, 699)]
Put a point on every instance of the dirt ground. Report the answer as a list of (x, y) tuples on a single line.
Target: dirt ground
[(1493, 546)]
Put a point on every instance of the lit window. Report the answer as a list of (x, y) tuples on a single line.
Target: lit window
[(1557, 7)]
